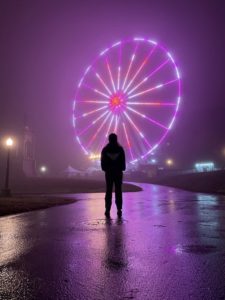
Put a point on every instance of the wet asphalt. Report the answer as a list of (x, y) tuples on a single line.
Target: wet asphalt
[(169, 244)]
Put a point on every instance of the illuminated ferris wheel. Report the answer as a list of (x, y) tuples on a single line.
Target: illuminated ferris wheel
[(133, 89)]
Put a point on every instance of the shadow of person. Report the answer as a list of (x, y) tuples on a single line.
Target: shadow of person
[(115, 254)]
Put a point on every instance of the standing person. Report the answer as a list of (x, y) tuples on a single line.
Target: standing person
[(113, 164)]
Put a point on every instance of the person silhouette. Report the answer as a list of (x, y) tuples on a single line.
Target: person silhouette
[(113, 163)]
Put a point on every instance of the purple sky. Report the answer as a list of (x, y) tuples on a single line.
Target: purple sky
[(45, 47)]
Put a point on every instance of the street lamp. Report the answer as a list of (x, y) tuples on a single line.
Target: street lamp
[(169, 162), (6, 192), (43, 169)]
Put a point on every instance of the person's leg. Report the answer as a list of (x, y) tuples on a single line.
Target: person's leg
[(108, 194), (118, 192)]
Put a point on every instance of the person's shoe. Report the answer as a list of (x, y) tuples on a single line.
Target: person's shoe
[(119, 213), (107, 214)]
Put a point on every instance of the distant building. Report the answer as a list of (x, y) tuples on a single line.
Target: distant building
[(205, 166)]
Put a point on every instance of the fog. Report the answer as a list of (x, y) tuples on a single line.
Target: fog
[(45, 47)]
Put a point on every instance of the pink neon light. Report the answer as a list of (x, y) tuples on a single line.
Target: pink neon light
[(93, 123), (152, 103), (110, 75), (91, 112), (152, 89), (130, 65), (101, 144), (99, 128), (97, 91), (140, 68), (149, 119), (137, 129), (122, 81), (94, 101), (116, 124), (128, 141), (146, 78), (103, 83)]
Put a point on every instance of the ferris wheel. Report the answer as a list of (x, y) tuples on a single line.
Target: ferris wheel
[(132, 89)]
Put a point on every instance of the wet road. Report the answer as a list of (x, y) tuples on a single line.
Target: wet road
[(170, 244)]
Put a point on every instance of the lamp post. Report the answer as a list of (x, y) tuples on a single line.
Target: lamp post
[(6, 192)]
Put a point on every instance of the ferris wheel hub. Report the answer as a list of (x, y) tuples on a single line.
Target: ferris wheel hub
[(117, 103)]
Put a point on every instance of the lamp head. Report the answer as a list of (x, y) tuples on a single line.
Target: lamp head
[(9, 142)]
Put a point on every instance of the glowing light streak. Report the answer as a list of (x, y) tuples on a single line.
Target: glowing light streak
[(94, 101), (95, 121), (128, 141), (87, 70), (170, 56), (146, 78), (116, 44), (158, 68), (110, 124), (107, 133), (129, 67), (99, 128), (152, 89), (118, 83), (110, 75), (178, 74), (140, 68), (80, 82), (139, 39), (104, 51), (96, 91), (103, 83), (92, 112), (119, 68), (152, 42), (116, 125), (100, 93), (137, 129), (149, 119), (171, 124), (152, 103)]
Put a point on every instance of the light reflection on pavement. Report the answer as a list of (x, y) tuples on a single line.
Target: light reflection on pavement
[(169, 244)]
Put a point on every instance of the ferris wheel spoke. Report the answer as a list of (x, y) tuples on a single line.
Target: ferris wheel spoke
[(110, 124), (147, 118), (119, 68), (110, 75), (103, 83), (98, 130), (101, 144), (137, 129), (147, 103), (137, 141), (140, 68), (97, 91), (116, 124), (90, 112), (152, 89), (129, 67), (147, 77), (128, 141), (94, 101), (93, 123)]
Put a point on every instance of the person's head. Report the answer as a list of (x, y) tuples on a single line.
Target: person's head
[(113, 138)]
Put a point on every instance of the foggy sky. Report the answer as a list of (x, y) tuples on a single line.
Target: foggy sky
[(45, 47)]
